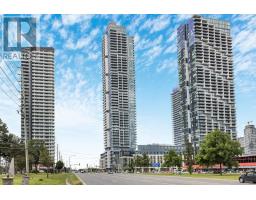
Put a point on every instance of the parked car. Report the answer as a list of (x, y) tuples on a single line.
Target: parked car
[(248, 177)]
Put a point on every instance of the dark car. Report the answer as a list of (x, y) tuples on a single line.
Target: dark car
[(248, 177)]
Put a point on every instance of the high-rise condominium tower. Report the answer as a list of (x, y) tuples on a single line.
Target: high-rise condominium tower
[(119, 104), (206, 78), (37, 100), (176, 118)]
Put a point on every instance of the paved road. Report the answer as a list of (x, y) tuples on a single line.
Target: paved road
[(139, 179)]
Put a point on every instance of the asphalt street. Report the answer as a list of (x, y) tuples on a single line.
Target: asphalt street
[(140, 179)]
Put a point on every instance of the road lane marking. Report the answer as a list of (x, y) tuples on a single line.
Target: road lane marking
[(80, 179)]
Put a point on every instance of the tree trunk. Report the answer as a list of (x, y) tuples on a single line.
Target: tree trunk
[(220, 169), (47, 172)]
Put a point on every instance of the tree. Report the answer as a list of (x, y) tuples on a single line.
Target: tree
[(11, 146), (35, 148), (189, 155), (45, 159), (59, 165), (3, 127), (131, 165), (20, 161), (145, 160), (138, 161), (142, 161), (172, 159), (218, 148)]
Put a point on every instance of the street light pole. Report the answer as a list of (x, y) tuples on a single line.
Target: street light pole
[(69, 160)]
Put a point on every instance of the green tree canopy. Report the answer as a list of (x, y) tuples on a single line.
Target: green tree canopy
[(45, 159), (35, 148), (172, 159), (142, 161), (10, 146), (59, 165), (218, 148), (3, 127)]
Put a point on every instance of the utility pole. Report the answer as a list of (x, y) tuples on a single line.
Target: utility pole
[(26, 145), (25, 127), (23, 112)]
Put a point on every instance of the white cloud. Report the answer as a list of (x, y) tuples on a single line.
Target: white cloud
[(83, 41), (70, 44), (50, 40), (156, 24), (182, 17), (173, 36), (46, 17), (171, 49), (134, 24), (136, 39), (56, 24), (63, 33), (153, 52), (69, 20), (93, 56), (245, 63), (236, 17), (244, 42), (147, 43), (169, 65)]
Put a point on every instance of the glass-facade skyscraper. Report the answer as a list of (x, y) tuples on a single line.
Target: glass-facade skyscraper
[(206, 78), (119, 102)]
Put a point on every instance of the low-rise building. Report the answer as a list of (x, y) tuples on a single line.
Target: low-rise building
[(156, 152)]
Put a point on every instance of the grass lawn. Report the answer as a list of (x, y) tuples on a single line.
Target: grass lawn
[(53, 179), (214, 176)]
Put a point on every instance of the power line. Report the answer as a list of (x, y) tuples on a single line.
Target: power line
[(9, 89), (12, 72), (9, 79), (9, 85), (8, 95)]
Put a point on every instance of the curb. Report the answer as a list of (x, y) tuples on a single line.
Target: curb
[(231, 180), (80, 179), (67, 183)]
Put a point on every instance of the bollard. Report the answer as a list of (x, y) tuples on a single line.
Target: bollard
[(25, 180)]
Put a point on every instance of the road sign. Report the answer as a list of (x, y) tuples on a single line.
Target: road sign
[(156, 164)]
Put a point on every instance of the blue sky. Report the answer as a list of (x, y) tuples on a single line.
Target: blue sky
[(77, 43)]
